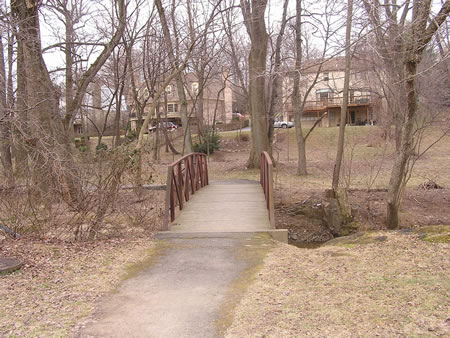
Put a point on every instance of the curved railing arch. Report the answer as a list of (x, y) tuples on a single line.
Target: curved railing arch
[(184, 177)]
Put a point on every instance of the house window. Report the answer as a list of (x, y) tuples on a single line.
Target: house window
[(324, 95), (194, 88), (172, 107), (326, 77), (169, 89)]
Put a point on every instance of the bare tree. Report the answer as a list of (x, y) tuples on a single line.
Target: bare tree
[(276, 95), (238, 56), (419, 35), (179, 78), (70, 13), (401, 45), (134, 33), (340, 147), (40, 99), (5, 118), (301, 166), (302, 89), (388, 21), (253, 13), (42, 105), (207, 60)]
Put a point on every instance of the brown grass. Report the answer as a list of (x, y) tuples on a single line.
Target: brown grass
[(370, 167), (61, 283), (385, 284), (396, 287)]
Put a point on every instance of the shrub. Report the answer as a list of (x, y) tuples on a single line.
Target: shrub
[(244, 137), (208, 142), (81, 145), (131, 135), (101, 147)]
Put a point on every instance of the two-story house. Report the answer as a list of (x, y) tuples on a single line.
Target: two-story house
[(218, 101), (324, 97)]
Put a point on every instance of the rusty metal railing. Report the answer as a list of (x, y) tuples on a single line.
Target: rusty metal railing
[(184, 177), (266, 180)]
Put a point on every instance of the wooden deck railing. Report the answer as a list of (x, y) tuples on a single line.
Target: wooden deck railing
[(184, 177), (333, 102), (266, 180), (337, 101)]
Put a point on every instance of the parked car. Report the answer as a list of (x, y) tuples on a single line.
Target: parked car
[(283, 124), (237, 116), (169, 126)]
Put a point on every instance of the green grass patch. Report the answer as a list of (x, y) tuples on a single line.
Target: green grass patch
[(358, 239), (434, 233), (253, 253), (438, 238)]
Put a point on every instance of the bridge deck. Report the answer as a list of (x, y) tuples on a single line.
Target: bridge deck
[(225, 207)]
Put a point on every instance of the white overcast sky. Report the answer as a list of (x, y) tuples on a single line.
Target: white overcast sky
[(55, 59)]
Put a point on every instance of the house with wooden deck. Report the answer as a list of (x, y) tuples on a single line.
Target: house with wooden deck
[(323, 84)]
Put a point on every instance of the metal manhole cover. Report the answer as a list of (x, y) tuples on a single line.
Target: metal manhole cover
[(9, 264)]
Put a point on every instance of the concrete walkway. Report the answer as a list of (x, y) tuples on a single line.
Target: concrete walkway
[(198, 271)]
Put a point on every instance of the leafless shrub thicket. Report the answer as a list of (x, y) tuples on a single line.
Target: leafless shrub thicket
[(36, 205)]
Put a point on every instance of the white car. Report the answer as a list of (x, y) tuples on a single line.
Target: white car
[(283, 124), (169, 126)]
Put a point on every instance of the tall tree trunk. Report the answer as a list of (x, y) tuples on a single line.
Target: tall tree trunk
[(55, 167), (117, 119), (200, 97), (21, 126), (296, 100), (69, 67), (178, 78), (340, 147), (157, 132), (276, 97), (399, 170), (418, 38), (120, 81), (5, 121), (138, 104), (256, 27)]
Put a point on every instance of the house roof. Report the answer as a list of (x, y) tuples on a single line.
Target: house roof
[(334, 64)]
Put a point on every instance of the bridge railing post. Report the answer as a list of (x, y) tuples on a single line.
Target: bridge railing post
[(266, 180)]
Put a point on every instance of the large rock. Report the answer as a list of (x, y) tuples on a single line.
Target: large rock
[(332, 216), (337, 215)]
